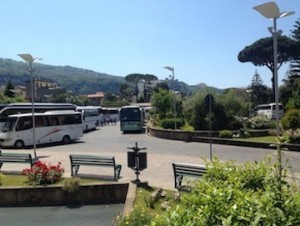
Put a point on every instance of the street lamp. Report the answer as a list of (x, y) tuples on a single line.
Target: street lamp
[(271, 11), (174, 100), (28, 58)]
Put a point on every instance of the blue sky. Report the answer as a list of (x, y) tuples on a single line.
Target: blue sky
[(199, 38)]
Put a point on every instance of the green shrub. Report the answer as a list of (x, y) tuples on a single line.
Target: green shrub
[(259, 122), (291, 124), (169, 123), (235, 124), (71, 185), (231, 194), (225, 134)]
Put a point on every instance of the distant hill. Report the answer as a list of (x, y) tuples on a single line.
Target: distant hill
[(77, 80)]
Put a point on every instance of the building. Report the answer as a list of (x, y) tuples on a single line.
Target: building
[(96, 98), (43, 90)]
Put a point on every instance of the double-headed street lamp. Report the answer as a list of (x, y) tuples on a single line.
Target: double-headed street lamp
[(271, 11), (28, 58), (174, 98)]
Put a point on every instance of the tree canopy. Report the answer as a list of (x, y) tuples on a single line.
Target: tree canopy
[(137, 77), (260, 53)]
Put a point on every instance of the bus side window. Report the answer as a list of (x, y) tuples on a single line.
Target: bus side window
[(39, 122), (54, 121), (20, 125)]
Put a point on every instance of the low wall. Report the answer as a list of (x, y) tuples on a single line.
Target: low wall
[(55, 195), (204, 136)]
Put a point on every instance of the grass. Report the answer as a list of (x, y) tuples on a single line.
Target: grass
[(21, 180), (142, 200), (265, 139)]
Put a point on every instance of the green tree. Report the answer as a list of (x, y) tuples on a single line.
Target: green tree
[(126, 91), (162, 102), (291, 124), (290, 89), (260, 53), (161, 85), (260, 94), (9, 89)]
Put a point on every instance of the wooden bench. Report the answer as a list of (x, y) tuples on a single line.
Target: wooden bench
[(189, 170), (9, 157), (94, 160)]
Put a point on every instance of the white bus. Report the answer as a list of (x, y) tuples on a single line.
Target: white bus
[(269, 110), (20, 108), (91, 118), (110, 114), (50, 127)]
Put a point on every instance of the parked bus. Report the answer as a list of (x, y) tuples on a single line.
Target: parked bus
[(131, 118), (90, 117), (19, 108), (50, 127), (269, 110), (110, 114)]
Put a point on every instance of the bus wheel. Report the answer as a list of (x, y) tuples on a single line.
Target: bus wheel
[(19, 144), (66, 140)]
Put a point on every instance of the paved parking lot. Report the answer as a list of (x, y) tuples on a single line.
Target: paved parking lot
[(110, 141), (161, 153)]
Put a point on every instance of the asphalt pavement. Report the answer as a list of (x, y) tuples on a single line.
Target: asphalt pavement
[(109, 141)]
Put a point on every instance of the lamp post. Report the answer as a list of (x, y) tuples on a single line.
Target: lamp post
[(271, 11), (28, 58), (174, 100)]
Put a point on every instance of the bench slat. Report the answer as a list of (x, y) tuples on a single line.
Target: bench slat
[(15, 158), (185, 169), (93, 160)]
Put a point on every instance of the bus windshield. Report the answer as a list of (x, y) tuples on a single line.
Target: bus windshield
[(9, 124), (130, 114)]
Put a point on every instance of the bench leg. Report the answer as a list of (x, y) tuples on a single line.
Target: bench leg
[(117, 172), (74, 169), (178, 181)]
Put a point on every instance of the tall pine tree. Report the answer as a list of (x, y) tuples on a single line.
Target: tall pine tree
[(260, 94)]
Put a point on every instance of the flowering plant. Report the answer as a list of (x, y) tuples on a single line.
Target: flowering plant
[(41, 173)]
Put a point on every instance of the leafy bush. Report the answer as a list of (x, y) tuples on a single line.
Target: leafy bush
[(169, 123), (259, 122), (225, 134), (71, 185), (231, 194), (291, 123), (41, 173), (235, 124)]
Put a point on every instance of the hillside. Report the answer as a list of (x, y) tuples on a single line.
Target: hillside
[(77, 80)]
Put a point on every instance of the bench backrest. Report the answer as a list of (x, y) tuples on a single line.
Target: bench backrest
[(185, 169), (92, 160), (15, 157)]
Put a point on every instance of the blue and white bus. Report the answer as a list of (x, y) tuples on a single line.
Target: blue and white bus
[(132, 118)]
